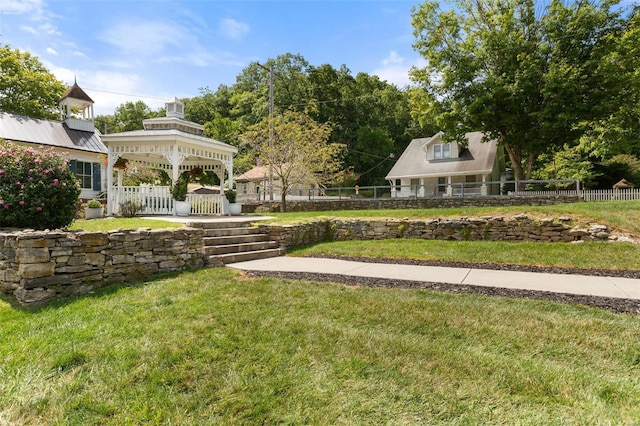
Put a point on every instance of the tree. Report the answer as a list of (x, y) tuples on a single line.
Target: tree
[(127, 117), (299, 149), (26, 86), (533, 81)]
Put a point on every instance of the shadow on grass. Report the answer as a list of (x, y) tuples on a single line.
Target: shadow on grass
[(103, 291)]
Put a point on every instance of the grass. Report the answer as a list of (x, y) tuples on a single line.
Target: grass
[(211, 347), (113, 223), (589, 254), (621, 214)]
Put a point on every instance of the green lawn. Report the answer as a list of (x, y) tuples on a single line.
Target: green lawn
[(211, 347), (588, 255), (625, 215), (113, 223)]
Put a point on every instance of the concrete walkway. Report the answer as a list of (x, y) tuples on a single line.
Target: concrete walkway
[(625, 288)]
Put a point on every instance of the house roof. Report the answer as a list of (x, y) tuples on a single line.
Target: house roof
[(257, 173), (623, 183), (76, 92), (20, 128), (478, 157)]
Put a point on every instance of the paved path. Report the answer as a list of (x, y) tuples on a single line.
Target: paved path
[(625, 288)]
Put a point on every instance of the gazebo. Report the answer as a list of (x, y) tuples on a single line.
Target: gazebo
[(174, 145)]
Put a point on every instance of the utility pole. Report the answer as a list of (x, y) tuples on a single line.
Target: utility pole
[(271, 107), (270, 130)]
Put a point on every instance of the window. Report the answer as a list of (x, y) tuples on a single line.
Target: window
[(442, 184), (87, 173), (446, 150), (442, 151), (83, 173)]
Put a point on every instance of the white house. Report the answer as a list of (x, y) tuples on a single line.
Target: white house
[(74, 136), (433, 167)]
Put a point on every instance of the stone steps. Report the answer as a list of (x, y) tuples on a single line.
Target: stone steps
[(229, 242)]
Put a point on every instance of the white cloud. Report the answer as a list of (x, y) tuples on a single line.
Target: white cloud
[(51, 51), (145, 38), (107, 89), (395, 69), (19, 7), (29, 29), (393, 58), (49, 28), (232, 29)]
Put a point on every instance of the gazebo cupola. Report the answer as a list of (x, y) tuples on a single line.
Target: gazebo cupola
[(173, 120), (76, 109)]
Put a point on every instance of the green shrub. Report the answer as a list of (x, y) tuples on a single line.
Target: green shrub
[(231, 195), (37, 188), (179, 190), (94, 204), (131, 208)]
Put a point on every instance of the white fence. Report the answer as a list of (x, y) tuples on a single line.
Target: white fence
[(158, 200), (593, 194)]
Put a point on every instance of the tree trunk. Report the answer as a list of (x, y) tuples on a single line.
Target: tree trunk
[(521, 170), (283, 201)]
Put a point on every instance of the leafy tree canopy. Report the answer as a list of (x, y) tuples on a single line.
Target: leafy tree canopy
[(535, 77), (297, 150), (26, 86), (127, 117)]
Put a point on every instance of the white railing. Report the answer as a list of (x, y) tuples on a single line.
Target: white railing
[(157, 200), (593, 194), (205, 204)]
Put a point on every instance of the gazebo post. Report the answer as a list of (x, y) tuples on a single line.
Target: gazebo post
[(110, 158)]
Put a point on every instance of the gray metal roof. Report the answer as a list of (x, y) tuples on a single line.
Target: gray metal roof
[(20, 128), (478, 157)]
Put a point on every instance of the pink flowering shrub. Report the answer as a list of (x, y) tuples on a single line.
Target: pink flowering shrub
[(37, 188)]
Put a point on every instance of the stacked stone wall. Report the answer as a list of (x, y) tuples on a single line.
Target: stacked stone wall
[(494, 228), (407, 203), (42, 265)]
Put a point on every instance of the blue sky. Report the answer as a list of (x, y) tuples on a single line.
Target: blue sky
[(157, 49)]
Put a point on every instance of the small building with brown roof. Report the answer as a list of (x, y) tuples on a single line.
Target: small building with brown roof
[(253, 185)]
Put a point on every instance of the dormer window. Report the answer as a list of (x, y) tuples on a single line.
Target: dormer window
[(441, 150)]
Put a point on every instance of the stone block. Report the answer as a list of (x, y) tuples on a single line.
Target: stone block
[(36, 241), (32, 255), (95, 259), (36, 270)]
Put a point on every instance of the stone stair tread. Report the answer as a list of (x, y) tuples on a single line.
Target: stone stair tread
[(235, 239), (224, 232), (223, 259), (219, 225), (239, 248)]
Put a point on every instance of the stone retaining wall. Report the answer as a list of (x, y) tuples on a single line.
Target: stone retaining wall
[(407, 203), (496, 228), (40, 266)]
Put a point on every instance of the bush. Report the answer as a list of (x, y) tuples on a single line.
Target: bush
[(231, 195), (93, 204), (179, 190), (37, 188), (131, 208)]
